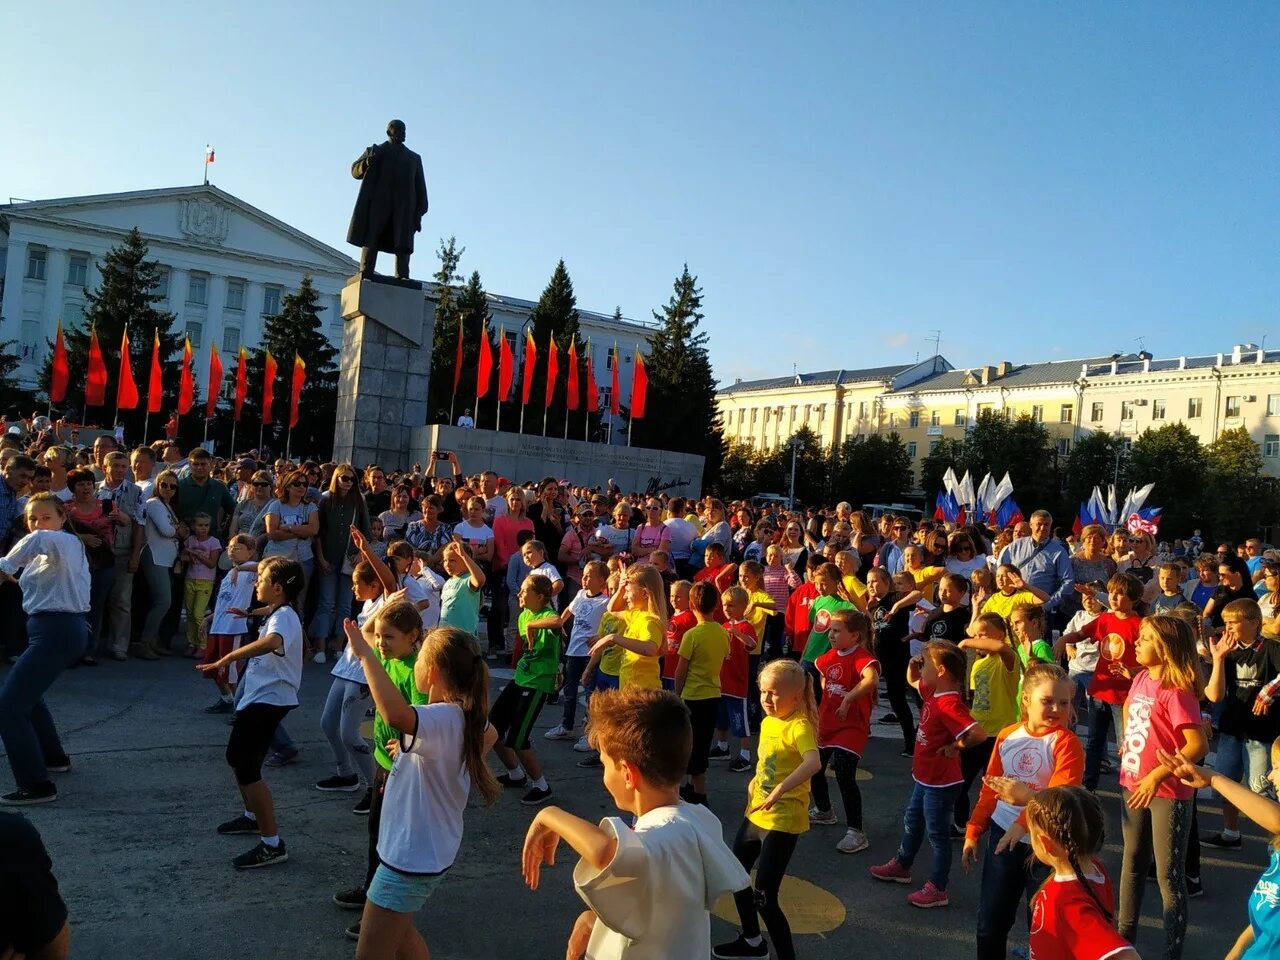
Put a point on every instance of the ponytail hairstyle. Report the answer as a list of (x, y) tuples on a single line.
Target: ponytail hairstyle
[(960, 583), (1036, 675), (791, 673), (857, 623), (462, 669), (285, 572), (1176, 643), (401, 550), (363, 571), (1071, 817), (403, 615)]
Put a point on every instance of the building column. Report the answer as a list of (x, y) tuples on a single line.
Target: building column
[(251, 329), (55, 277), (11, 308), (213, 312), (178, 282)]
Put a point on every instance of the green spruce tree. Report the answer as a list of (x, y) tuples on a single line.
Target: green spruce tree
[(444, 348), (127, 293), (554, 315), (681, 412), (15, 401), (297, 328)]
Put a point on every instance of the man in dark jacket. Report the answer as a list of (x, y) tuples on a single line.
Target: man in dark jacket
[(391, 202)]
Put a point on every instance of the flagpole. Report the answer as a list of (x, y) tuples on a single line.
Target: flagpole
[(146, 421), (522, 406), (544, 419), (234, 424), (288, 442), (630, 419)]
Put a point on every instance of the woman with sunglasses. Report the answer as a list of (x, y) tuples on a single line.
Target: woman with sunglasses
[(162, 533), (249, 511), (652, 534), (291, 523), (341, 508), (962, 556)]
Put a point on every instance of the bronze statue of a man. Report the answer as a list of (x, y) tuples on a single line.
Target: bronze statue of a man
[(391, 202)]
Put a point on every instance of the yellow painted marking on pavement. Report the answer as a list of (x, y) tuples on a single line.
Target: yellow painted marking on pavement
[(862, 774), (809, 908)]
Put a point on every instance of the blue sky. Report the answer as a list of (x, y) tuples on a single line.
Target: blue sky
[(1034, 180)]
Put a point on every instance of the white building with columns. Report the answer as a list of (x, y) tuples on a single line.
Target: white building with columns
[(225, 265)]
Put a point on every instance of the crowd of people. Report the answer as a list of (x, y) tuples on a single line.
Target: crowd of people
[(1021, 666)]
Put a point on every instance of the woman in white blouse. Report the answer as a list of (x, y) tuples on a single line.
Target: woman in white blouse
[(162, 533), (55, 597)]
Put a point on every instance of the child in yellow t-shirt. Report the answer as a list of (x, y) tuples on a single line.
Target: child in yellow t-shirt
[(641, 606), (846, 562), (778, 806), (1011, 590)]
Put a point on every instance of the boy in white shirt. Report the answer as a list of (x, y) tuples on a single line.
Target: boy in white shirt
[(584, 610), (650, 888)]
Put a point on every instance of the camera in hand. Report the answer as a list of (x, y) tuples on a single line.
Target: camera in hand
[(442, 454)]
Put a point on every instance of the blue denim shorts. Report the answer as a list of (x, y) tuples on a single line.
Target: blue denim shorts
[(401, 892), (1244, 761), (731, 715)]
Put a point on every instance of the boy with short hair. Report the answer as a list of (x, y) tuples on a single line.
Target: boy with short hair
[(674, 860), (797, 622), (717, 572), (732, 717), (704, 651), (1169, 578), (1244, 662)]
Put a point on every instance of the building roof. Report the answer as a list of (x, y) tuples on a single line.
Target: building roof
[(525, 306), (820, 378)]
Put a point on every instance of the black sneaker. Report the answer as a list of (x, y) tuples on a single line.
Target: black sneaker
[(1194, 887), (740, 948), (352, 899), (362, 808), (1221, 841), (44, 792), (888, 718), (58, 764), (353, 932), (261, 856), (511, 782), (240, 825), (741, 764), (588, 763), (536, 796), (718, 753), (338, 784), (907, 752), (221, 706), (957, 833)]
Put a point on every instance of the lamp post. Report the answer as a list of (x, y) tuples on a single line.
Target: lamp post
[(795, 443)]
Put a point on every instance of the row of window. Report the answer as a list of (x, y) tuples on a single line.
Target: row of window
[(197, 283), (1195, 408)]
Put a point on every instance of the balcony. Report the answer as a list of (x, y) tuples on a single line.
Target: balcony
[(933, 431)]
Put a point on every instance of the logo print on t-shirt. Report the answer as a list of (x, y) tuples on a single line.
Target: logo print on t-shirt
[(1027, 762), (1037, 913), (1113, 647), (822, 621)]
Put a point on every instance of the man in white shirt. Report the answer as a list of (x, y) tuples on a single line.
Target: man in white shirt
[(496, 504), (466, 421)]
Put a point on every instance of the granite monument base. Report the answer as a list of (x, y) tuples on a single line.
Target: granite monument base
[(521, 457), (384, 372)]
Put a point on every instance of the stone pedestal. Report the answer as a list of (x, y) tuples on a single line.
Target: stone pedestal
[(385, 368)]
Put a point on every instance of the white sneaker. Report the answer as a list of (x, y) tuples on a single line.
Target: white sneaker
[(318, 658), (558, 732), (582, 746), (853, 842), (816, 816)]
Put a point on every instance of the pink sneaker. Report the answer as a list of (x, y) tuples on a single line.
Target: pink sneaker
[(928, 896), (893, 872)]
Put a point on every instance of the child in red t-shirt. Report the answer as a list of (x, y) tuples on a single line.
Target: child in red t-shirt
[(1071, 913), (1116, 633), (850, 674), (945, 728), (796, 623), (735, 682), (720, 574), (681, 620)]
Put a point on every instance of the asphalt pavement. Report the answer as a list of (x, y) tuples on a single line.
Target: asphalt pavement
[(133, 844)]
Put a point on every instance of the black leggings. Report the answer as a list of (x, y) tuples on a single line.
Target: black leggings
[(772, 849), (894, 659), (845, 765), (375, 823), (973, 763)]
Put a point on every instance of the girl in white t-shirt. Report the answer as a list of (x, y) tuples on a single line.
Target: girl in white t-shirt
[(439, 754), (269, 690), (348, 699), (223, 629)]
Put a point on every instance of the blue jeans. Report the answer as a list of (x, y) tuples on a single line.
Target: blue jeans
[(929, 811), (343, 713), (573, 667), (1102, 716), (333, 604), (1244, 761), (54, 642), (100, 582), (1008, 879), (160, 582)]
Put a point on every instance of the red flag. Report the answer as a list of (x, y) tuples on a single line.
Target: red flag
[(242, 382), (126, 389), (268, 386), (530, 361), (553, 367), (60, 372), (484, 369), (295, 389), (155, 387), (457, 360), (593, 392), (571, 397), (186, 382), (95, 386), (639, 387), (506, 366), (613, 384), (215, 382)]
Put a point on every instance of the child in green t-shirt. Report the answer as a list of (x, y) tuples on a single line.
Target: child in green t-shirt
[(703, 650), (831, 596), (1027, 621), (517, 707)]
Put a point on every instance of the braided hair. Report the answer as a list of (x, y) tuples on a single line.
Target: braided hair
[(1071, 817)]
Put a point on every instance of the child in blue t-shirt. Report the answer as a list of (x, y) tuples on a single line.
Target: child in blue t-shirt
[(460, 598)]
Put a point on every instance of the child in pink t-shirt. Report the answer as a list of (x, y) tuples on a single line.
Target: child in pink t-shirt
[(200, 554), (1162, 712)]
